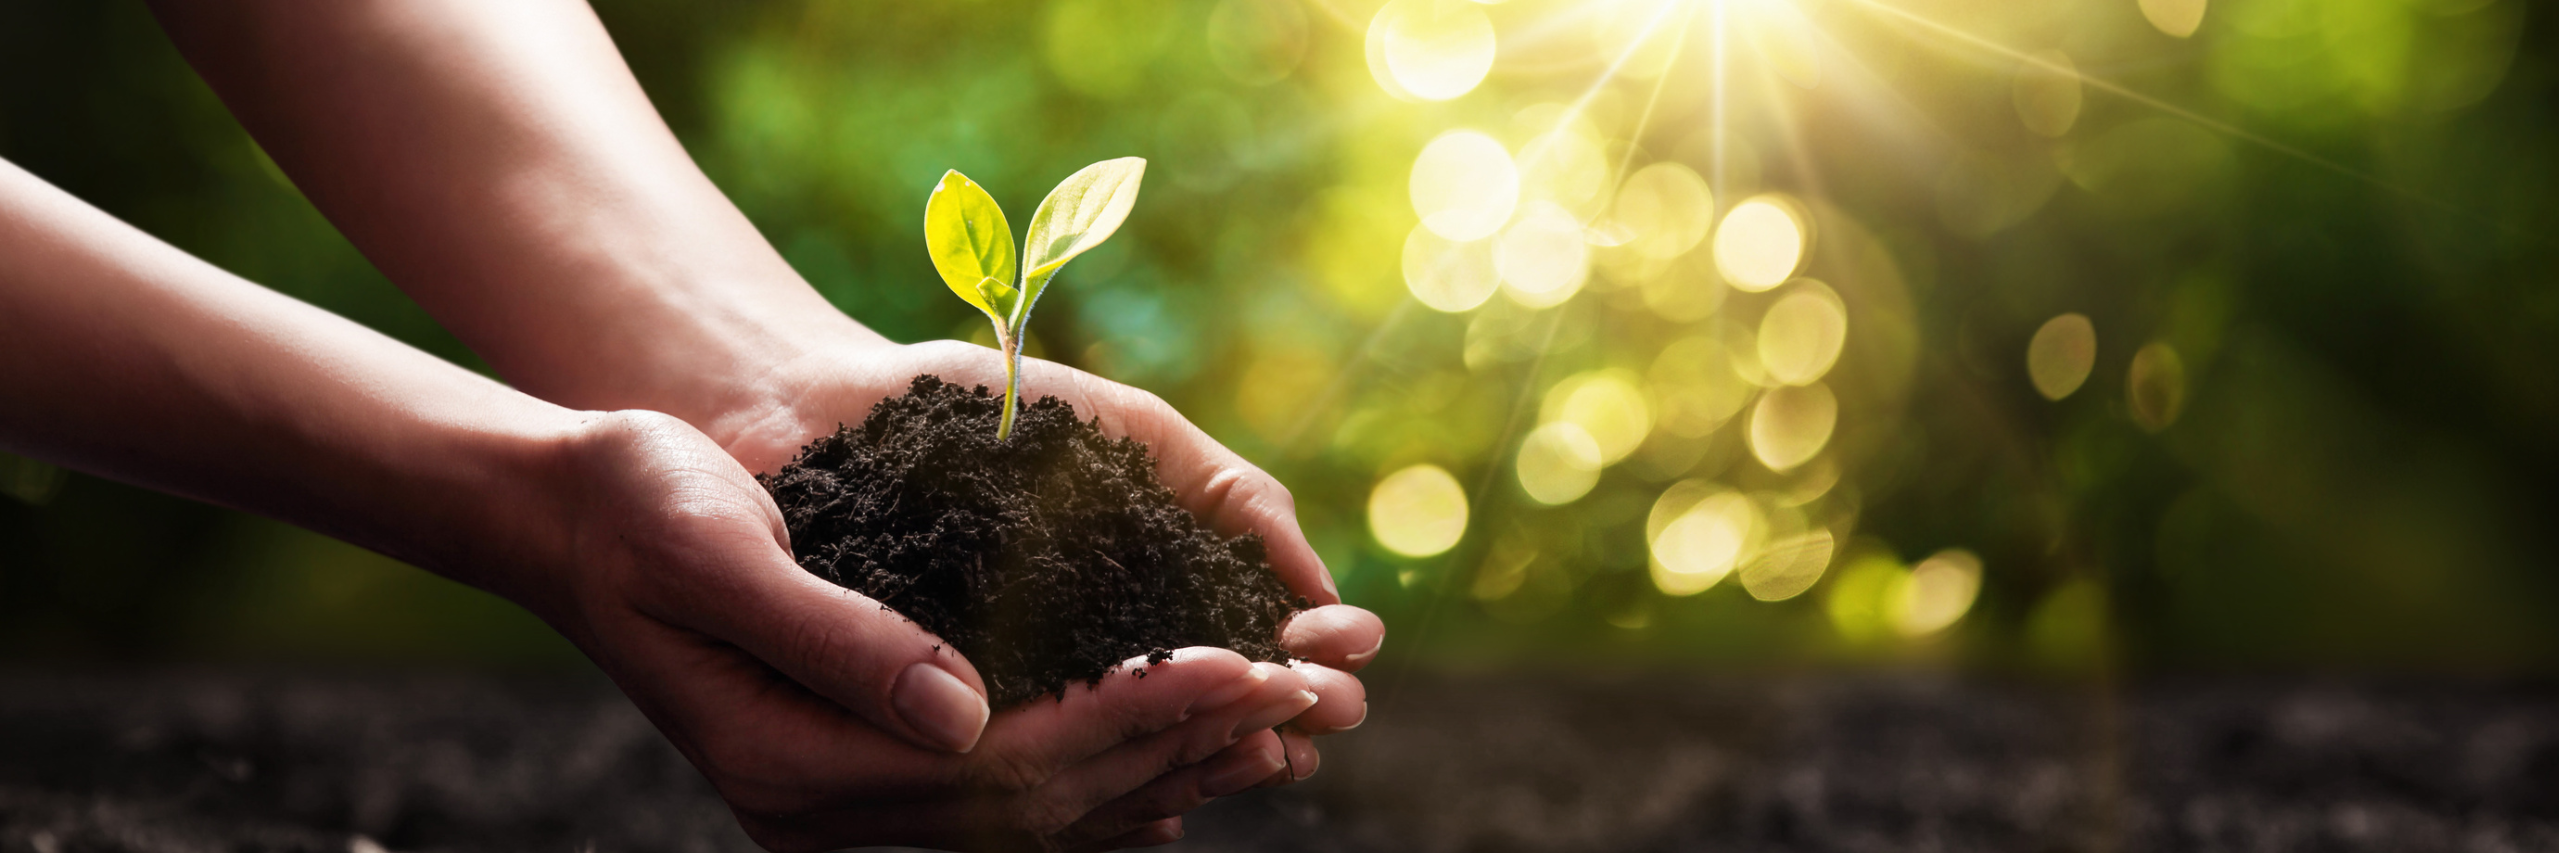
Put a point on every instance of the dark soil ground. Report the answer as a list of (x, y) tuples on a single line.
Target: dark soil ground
[(233, 761), (1046, 559)]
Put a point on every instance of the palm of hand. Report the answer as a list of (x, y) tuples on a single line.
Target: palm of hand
[(779, 686)]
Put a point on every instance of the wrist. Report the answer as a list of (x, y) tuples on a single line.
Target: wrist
[(484, 500), (781, 406)]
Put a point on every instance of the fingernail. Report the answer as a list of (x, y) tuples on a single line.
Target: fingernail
[(1363, 658), (1363, 717), (1236, 772), (1327, 575), (1302, 758), (939, 706), (1273, 715), (1223, 696)]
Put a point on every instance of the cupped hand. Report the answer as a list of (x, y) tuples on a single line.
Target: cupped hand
[(813, 394), (826, 720)]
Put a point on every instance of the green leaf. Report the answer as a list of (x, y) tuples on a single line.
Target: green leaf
[(970, 242), (1082, 212), (996, 292)]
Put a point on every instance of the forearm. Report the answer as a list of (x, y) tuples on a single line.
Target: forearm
[(126, 357), (498, 161)]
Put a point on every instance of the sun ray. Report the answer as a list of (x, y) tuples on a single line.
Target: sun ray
[(1799, 157), (1435, 593), (1719, 90), (2233, 131), (1538, 147), (1644, 120), (1344, 377)]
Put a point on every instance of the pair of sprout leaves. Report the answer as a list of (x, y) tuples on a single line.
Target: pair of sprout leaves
[(972, 248)]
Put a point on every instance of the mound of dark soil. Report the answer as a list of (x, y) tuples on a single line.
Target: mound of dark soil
[(1047, 558)]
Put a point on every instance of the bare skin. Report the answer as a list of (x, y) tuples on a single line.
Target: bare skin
[(498, 162)]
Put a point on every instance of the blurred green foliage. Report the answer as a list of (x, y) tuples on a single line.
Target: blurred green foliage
[(2332, 217)]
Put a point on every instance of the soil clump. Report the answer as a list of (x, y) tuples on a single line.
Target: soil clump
[(1046, 559)]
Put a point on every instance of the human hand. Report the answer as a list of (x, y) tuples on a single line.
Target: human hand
[(811, 395), (826, 720)]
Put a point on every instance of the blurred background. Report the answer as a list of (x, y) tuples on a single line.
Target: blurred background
[(2085, 337)]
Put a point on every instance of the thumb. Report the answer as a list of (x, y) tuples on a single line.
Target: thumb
[(851, 649)]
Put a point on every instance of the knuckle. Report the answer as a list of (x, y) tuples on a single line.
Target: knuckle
[(1046, 818), (1172, 801), (1008, 774), (1201, 745), (809, 644)]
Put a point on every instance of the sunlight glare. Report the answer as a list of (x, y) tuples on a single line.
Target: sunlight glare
[(1616, 25), (1419, 511), (1784, 37)]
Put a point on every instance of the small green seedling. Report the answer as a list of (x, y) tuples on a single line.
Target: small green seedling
[(972, 247)]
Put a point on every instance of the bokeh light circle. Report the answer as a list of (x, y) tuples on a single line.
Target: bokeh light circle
[(1607, 404), (1801, 335), (1448, 275), (2156, 388), (1464, 185), (1429, 50), (1257, 42), (1558, 463), (2047, 93), (1702, 544), (1760, 244), (1937, 592), (1694, 386), (1543, 258), (1418, 511), (1792, 424), (1788, 565), (2061, 354), (1567, 161), (2178, 18), (1666, 209)]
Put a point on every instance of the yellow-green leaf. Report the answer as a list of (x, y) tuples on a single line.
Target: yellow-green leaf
[(970, 242), (996, 292), (1082, 212)]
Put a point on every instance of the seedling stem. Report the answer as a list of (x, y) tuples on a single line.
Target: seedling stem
[(972, 248)]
